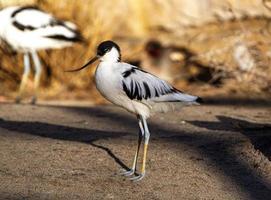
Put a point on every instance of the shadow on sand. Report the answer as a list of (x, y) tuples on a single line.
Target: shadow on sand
[(217, 150), (64, 133), (258, 134)]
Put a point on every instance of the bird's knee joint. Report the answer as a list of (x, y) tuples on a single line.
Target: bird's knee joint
[(38, 71), (27, 71), (147, 137)]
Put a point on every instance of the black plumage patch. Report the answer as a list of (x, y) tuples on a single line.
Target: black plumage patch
[(199, 100), (175, 90), (57, 22), (156, 92), (106, 46), (136, 94), (147, 90), (141, 89), (77, 38), (23, 9), (128, 72), (23, 27), (132, 90), (128, 93)]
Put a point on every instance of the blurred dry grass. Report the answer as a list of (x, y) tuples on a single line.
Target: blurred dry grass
[(132, 23)]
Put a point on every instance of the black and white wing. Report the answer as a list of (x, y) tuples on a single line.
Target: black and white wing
[(141, 85), (29, 18)]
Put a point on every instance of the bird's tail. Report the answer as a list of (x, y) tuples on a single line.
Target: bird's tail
[(182, 97), (175, 102), (179, 97)]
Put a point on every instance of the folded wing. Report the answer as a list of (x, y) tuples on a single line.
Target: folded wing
[(141, 85)]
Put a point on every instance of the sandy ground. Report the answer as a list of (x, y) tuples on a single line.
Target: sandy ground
[(66, 152)]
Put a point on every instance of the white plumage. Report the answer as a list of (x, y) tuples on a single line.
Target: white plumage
[(27, 29), (135, 90)]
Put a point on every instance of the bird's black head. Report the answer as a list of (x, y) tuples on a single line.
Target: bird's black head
[(106, 46), (107, 51)]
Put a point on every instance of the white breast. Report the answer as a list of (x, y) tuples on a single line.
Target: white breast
[(108, 78), (108, 82)]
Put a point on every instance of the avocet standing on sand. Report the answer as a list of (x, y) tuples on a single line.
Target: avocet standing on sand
[(136, 90), (27, 29)]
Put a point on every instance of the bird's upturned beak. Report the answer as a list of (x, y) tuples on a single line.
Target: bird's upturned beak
[(85, 65)]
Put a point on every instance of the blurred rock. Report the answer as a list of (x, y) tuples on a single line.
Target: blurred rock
[(243, 57), (194, 12), (15, 2), (173, 63)]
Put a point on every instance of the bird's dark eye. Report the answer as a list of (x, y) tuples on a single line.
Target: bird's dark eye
[(105, 47), (101, 52)]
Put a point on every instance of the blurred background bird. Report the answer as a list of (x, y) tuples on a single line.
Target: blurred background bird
[(189, 43), (27, 29)]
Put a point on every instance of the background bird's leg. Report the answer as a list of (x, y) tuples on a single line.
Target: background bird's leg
[(140, 135), (37, 65), (24, 78), (146, 142)]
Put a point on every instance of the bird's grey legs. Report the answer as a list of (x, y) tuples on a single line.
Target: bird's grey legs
[(140, 135), (25, 77), (144, 131), (37, 75), (146, 142)]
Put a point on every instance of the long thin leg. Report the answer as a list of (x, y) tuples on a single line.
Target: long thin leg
[(140, 135), (24, 78), (37, 65), (146, 142)]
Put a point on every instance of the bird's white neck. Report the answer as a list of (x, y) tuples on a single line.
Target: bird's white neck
[(111, 56), (5, 15)]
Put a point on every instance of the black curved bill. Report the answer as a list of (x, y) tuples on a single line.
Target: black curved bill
[(85, 65)]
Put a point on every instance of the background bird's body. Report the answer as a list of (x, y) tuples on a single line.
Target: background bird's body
[(28, 29)]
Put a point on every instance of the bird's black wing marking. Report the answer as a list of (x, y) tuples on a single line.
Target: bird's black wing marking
[(147, 90), (23, 8), (55, 22), (23, 27), (19, 25), (77, 38), (128, 72), (139, 84)]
